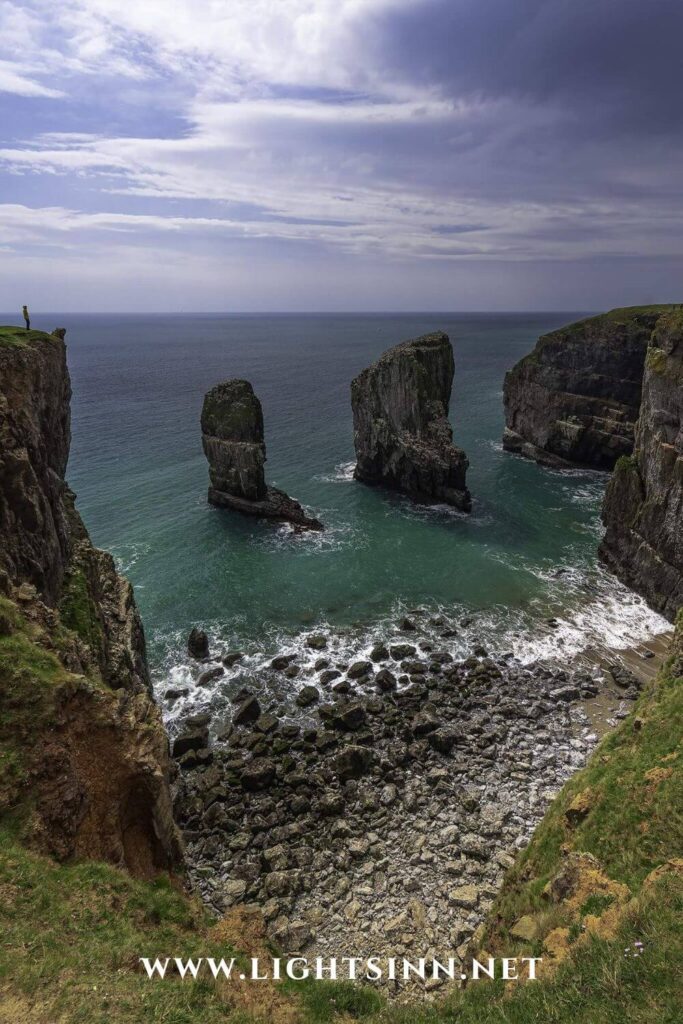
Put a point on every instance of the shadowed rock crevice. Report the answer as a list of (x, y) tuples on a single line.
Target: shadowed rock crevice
[(233, 441), (402, 435)]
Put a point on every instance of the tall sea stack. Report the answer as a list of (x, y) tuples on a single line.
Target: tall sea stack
[(643, 507), (232, 437), (574, 399), (402, 435)]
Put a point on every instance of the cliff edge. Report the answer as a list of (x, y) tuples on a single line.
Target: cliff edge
[(83, 749), (402, 436), (643, 506)]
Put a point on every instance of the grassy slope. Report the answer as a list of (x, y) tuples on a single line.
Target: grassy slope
[(70, 935)]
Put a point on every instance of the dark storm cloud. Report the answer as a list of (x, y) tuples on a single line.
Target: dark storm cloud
[(615, 58)]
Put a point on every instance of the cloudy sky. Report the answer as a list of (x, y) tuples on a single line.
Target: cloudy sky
[(233, 155)]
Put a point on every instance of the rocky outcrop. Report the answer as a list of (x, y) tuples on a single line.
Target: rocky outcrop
[(35, 434), (643, 506), (98, 755), (233, 441), (574, 400), (402, 435)]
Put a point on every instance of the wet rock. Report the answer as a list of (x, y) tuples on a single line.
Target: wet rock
[(282, 661), (318, 642), (379, 653), (210, 676), (266, 723), (385, 680), (247, 711), (193, 740), (258, 774), (399, 652), (231, 658), (198, 644), (359, 669), (348, 717), (307, 695)]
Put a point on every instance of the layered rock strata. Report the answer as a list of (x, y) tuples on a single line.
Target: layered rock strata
[(233, 441), (402, 435), (99, 759), (574, 399), (643, 506)]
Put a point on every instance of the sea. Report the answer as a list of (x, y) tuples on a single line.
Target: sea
[(519, 576)]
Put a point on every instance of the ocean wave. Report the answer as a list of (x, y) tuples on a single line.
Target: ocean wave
[(580, 611), (342, 473)]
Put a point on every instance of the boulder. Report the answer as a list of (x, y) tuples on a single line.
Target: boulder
[(402, 435), (198, 644), (233, 441), (354, 762)]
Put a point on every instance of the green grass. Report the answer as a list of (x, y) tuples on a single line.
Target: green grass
[(19, 337), (78, 610), (29, 675)]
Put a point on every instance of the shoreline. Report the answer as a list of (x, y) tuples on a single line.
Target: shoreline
[(386, 820)]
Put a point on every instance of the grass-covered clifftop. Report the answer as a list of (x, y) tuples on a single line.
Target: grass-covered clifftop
[(599, 875)]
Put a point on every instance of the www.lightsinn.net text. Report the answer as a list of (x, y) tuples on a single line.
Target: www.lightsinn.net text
[(349, 968)]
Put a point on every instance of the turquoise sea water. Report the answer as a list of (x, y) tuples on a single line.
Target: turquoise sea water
[(527, 552)]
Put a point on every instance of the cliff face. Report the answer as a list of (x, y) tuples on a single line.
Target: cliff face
[(34, 447), (575, 398), (233, 442), (95, 753), (402, 435), (643, 507)]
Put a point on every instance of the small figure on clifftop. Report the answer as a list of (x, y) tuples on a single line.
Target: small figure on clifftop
[(27, 317)]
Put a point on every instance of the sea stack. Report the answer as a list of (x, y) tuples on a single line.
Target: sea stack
[(232, 436), (402, 435), (574, 400), (643, 506)]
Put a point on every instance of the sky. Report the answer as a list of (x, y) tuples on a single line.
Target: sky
[(312, 155)]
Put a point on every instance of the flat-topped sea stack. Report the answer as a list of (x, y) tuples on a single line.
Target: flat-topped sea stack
[(402, 435), (643, 507), (232, 437), (574, 400)]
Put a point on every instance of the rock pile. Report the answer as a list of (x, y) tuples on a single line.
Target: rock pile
[(381, 820)]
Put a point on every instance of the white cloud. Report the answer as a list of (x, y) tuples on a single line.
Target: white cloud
[(13, 80)]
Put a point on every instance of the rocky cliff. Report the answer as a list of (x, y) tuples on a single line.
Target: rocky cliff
[(574, 400), (84, 734), (233, 441), (402, 435), (643, 507)]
